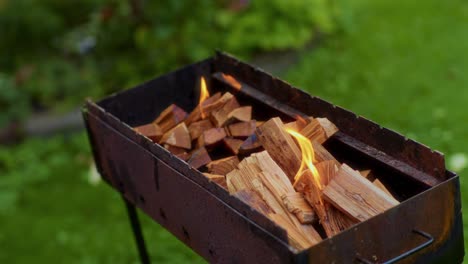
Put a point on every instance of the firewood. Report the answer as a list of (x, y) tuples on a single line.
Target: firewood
[(319, 130), (199, 158), (178, 136), (250, 145), (238, 180), (379, 184), (170, 117), (365, 173), (242, 129), (259, 123), (207, 107), (297, 125), (280, 146), (197, 128), (211, 136), (254, 200), (322, 154), (178, 152), (233, 145), (296, 204), (243, 114), (356, 196), (151, 131), (223, 166), (297, 239), (220, 116), (218, 179)]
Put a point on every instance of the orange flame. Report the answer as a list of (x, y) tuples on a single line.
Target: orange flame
[(308, 157), (232, 81), (301, 120), (204, 94)]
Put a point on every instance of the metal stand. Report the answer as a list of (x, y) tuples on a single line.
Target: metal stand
[(137, 232)]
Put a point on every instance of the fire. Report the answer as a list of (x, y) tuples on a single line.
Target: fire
[(204, 94), (308, 157), (232, 81)]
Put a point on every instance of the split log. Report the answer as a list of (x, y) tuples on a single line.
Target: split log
[(381, 186), (319, 130), (211, 136), (254, 200), (207, 107), (280, 145), (321, 153), (197, 128), (296, 204), (179, 152), (243, 114), (178, 136), (199, 158), (220, 116), (297, 239), (170, 117), (242, 129), (218, 179), (365, 173), (233, 145), (223, 166), (356, 196), (250, 145), (151, 131)]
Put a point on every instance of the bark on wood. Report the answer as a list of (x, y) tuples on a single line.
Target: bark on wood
[(151, 131), (170, 117), (356, 196), (280, 146), (178, 136), (199, 158), (242, 129), (223, 166)]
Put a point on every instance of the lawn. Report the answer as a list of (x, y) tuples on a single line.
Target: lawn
[(400, 63)]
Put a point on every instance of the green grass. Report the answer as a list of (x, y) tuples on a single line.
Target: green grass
[(403, 64)]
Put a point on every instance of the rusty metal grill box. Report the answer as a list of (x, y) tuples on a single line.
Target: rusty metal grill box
[(223, 229)]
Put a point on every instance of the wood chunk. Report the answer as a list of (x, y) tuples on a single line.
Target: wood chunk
[(280, 146), (151, 131), (379, 184), (365, 173), (322, 154), (220, 116), (250, 145), (199, 158), (356, 196), (319, 129), (178, 136), (218, 179), (297, 125), (208, 106), (242, 129), (243, 114), (197, 128), (238, 180), (233, 145), (259, 123), (328, 126), (178, 152), (211, 136), (170, 117), (297, 239), (254, 200), (296, 204), (223, 166), (327, 170)]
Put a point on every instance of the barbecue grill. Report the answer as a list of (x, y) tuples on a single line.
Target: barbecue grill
[(426, 227)]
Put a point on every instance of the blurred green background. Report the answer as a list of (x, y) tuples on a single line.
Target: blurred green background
[(403, 64)]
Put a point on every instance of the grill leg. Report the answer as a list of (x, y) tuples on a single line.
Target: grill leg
[(137, 232)]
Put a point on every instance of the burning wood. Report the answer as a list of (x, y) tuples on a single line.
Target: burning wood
[(281, 170)]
